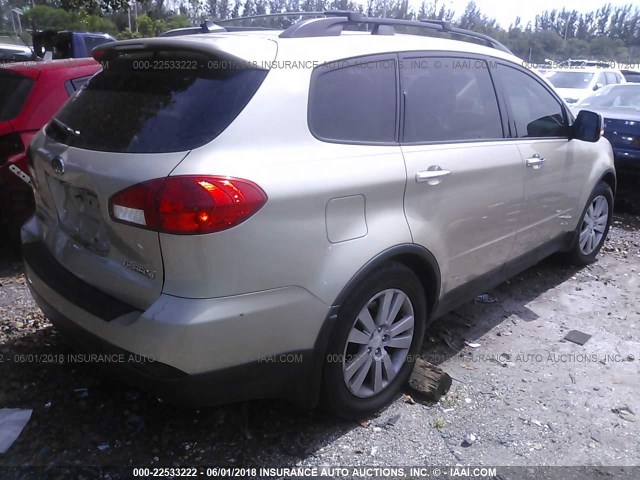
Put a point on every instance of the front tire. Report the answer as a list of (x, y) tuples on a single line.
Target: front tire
[(593, 227), (374, 344)]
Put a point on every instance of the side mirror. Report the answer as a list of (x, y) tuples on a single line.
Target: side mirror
[(588, 126), (598, 86)]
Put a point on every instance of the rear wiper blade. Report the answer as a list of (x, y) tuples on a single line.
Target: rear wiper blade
[(67, 128)]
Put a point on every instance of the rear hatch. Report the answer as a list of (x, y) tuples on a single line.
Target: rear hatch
[(135, 121)]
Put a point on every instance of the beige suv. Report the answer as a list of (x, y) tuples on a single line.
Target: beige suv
[(258, 213)]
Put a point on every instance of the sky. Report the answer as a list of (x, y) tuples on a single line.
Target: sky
[(505, 11)]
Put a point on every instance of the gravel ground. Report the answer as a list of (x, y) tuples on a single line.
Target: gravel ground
[(521, 394)]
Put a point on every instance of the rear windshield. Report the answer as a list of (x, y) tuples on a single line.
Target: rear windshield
[(633, 77), (570, 79), (154, 102), (14, 90)]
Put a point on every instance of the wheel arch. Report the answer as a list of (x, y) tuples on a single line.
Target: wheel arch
[(609, 177), (418, 259)]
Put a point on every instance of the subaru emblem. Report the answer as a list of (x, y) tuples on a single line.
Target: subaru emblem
[(58, 165)]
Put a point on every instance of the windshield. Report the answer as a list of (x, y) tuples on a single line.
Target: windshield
[(14, 90), (570, 79), (614, 96)]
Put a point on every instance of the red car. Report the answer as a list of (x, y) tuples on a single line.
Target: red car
[(30, 94)]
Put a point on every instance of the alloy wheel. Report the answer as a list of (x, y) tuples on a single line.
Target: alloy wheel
[(378, 343), (594, 225)]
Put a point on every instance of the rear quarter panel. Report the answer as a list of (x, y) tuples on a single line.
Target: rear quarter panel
[(286, 242)]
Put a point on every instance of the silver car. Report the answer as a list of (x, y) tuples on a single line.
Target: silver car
[(250, 214)]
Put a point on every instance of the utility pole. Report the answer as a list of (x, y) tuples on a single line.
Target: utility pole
[(17, 12), (384, 9)]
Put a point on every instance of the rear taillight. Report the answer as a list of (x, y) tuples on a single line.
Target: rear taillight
[(10, 145), (187, 205)]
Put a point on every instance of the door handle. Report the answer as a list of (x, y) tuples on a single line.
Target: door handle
[(535, 162), (435, 174)]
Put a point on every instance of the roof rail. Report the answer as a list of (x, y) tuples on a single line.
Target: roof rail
[(210, 27), (334, 22), (271, 15), (205, 27)]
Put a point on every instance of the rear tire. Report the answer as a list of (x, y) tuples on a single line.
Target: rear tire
[(593, 227), (373, 346)]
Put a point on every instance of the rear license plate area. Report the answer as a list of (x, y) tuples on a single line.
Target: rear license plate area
[(79, 215)]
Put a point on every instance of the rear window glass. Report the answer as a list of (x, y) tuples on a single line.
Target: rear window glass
[(14, 90), (154, 102)]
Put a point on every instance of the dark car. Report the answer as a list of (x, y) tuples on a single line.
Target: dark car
[(30, 94), (620, 107), (68, 44)]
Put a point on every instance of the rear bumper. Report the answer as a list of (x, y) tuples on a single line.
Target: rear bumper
[(190, 351)]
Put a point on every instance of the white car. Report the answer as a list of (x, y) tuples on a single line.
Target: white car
[(575, 84)]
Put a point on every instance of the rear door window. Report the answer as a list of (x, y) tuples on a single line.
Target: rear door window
[(612, 78), (14, 91), (152, 102), (355, 101), (449, 99)]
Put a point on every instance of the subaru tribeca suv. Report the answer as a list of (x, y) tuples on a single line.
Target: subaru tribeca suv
[(249, 214)]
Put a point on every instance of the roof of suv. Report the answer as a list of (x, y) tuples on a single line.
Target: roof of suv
[(263, 45)]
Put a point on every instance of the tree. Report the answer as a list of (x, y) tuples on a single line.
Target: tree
[(473, 19), (224, 9), (93, 7), (249, 8), (147, 26), (43, 17), (608, 33)]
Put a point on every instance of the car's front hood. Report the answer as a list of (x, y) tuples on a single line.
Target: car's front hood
[(612, 113)]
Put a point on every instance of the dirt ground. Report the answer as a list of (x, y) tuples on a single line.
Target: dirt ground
[(521, 394)]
